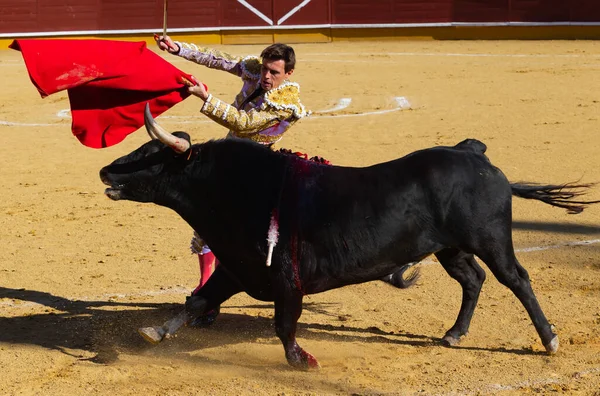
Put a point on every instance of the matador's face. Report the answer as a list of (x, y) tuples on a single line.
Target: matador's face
[(273, 74)]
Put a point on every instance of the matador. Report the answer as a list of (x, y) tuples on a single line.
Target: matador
[(265, 108)]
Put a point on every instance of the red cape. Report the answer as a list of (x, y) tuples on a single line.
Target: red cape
[(108, 82)]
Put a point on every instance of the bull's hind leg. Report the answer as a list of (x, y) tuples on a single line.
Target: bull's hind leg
[(504, 265), (288, 309), (464, 269)]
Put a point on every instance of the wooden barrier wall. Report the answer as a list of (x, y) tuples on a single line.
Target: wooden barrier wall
[(248, 21)]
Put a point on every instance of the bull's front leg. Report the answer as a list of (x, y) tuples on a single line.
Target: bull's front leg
[(217, 290), (288, 309)]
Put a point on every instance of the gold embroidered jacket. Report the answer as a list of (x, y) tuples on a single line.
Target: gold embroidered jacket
[(263, 119)]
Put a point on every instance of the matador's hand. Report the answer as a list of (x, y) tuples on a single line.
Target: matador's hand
[(199, 89), (165, 43)]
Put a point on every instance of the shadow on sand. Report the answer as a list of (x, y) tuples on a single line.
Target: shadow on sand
[(104, 328)]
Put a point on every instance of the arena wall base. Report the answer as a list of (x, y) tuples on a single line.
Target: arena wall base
[(333, 34)]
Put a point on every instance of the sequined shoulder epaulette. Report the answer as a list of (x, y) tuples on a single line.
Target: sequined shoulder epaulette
[(286, 97), (250, 66)]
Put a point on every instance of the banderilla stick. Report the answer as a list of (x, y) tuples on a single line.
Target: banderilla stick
[(156, 334)]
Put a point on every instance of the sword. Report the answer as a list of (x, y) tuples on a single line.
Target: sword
[(164, 32), (165, 18)]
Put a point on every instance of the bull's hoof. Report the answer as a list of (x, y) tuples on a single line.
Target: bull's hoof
[(552, 346), (304, 361), (311, 362), (153, 335), (449, 340)]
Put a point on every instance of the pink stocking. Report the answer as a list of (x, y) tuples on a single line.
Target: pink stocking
[(208, 263)]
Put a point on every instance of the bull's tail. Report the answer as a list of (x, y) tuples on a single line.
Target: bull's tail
[(560, 195), (397, 278)]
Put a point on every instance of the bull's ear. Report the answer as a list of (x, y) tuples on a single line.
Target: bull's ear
[(183, 135)]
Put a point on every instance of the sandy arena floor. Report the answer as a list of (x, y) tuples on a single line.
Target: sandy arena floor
[(79, 273)]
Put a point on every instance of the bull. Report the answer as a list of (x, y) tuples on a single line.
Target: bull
[(335, 225)]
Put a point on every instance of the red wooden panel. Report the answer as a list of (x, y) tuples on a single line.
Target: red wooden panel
[(431, 11), (390, 11), (17, 16), (315, 12), (234, 13), (539, 11), (358, 11), (130, 14), (480, 10), (148, 14), (585, 10), (191, 13), (67, 15)]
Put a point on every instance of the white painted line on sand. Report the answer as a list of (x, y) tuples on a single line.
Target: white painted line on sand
[(539, 248), (452, 54), (401, 104), (549, 247), (340, 105), (370, 62), (66, 113), (495, 388), (9, 123), (178, 289)]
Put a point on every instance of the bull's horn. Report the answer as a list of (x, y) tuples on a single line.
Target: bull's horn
[(157, 132)]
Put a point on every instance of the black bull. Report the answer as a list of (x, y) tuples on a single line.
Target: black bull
[(338, 225)]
